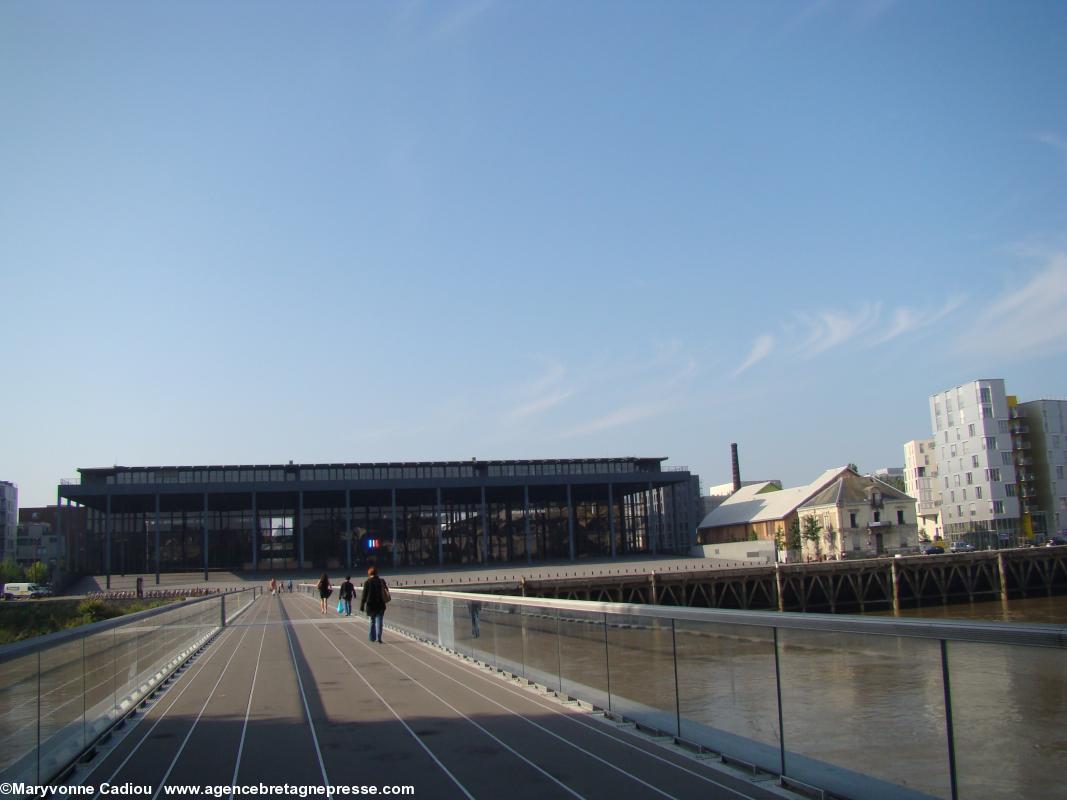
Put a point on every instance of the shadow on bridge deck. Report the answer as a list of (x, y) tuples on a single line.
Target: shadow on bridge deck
[(290, 697)]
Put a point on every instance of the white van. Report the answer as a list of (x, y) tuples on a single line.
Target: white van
[(14, 591)]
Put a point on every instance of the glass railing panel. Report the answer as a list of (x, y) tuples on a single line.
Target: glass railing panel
[(864, 715), (541, 646), (506, 624), (1009, 719), (99, 682), (400, 613), (467, 629), (125, 654), (641, 667), (584, 656), (726, 690), (18, 718), (62, 707)]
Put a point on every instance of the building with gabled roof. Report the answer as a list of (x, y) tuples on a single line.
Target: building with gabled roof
[(859, 516), (759, 511)]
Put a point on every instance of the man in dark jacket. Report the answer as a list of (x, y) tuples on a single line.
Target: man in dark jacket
[(347, 592), (373, 602)]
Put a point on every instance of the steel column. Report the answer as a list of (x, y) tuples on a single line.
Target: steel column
[(393, 501), (157, 538), (440, 537), (255, 531), (107, 537), (300, 528), (611, 517), (570, 521), (348, 529), (485, 529), (203, 520), (526, 521), (650, 501)]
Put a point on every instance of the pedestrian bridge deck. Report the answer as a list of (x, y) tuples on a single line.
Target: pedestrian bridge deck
[(289, 696)]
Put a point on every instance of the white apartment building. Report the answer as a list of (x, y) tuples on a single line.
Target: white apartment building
[(920, 476), (9, 504), (1038, 427), (975, 463)]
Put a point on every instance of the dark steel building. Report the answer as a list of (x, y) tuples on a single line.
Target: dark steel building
[(331, 516)]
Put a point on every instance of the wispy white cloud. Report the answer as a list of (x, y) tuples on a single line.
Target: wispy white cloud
[(829, 329), (761, 348), (906, 320), (1054, 141), (540, 404), (1029, 320), (616, 419)]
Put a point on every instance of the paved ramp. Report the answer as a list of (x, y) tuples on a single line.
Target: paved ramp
[(289, 696)]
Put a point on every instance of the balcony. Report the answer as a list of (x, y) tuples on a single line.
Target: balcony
[(1026, 477), (1019, 443), (1028, 490), (1024, 461), (1019, 426)]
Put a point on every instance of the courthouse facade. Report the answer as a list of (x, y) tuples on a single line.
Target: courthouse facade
[(334, 516)]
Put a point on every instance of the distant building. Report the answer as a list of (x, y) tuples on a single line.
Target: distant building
[(860, 516), (759, 511), (61, 540), (334, 516), (9, 503), (717, 494), (976, 465), (1040, 440), (920, 477)]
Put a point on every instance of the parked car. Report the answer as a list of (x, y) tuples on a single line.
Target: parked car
[(933, 550), (962, 547)]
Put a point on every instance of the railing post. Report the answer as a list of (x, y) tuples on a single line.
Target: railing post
[(607, 659), (677, 689), (946, 684), (778, 689)]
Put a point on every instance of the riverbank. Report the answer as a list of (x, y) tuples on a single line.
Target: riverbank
[(25, 619)]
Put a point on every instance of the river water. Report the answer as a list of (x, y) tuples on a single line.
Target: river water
[(1051, 610)]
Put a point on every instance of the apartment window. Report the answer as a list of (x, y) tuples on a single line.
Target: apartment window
[(959, 511), (977, 492), (950, 419), (1059, 472), (952, 450), (986, 411), (1056, 442), (1005, 458), (877, 516), (1009, 489), (972, 509), (952, 496), (852, 519), (965, 448), (998, 506), (900, 516), (970, 478), (964, 494), (990, 442), (1003, 426), (946, 481), (974, 461), (992, 475), (948, 404), (956, 480), (985, 394), (921, 447)]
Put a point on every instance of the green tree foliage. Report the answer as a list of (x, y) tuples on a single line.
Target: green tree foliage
[(811, 530), (37, 572), (854, 468), (10, 570), (794, 534)]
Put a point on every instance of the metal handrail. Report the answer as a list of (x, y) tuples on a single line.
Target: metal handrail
[(1031, 634)]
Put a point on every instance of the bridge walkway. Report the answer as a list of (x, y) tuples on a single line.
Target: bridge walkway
[(289, 696)]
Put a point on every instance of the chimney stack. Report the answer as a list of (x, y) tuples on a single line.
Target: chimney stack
[(736, 466)]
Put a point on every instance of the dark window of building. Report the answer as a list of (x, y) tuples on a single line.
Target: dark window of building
[(900, 516)]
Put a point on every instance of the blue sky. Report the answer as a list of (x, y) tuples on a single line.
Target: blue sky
[(329, 231)]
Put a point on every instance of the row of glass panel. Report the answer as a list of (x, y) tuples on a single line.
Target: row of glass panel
[(55, 701), (860, 715)]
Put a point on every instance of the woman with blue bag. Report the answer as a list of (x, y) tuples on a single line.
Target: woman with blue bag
[(345, 595)]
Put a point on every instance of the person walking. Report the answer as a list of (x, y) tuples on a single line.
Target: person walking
[(373, 600), (347, 592), (290, 586), (273, 586), (325, 590)]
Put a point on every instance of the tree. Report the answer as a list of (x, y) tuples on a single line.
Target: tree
[(853, 467), (779, 538), (831, 537), (794, 534), (37, 572), (10, 571), (812, 529)]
